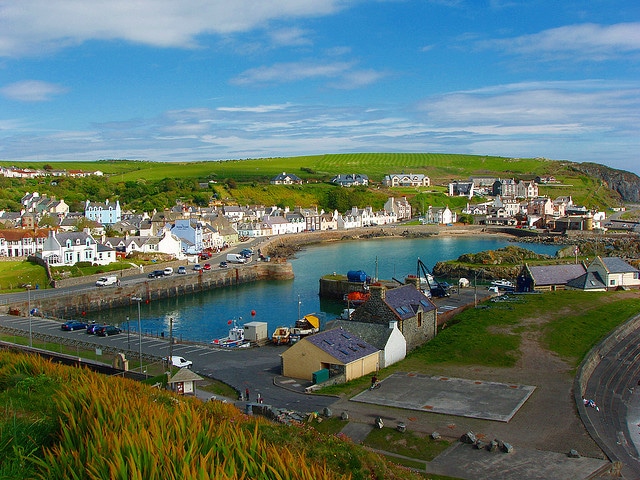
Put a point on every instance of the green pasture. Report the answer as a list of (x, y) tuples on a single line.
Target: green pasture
[(14, 274)]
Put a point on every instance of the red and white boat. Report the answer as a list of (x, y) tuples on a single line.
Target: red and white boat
[(235, 339)]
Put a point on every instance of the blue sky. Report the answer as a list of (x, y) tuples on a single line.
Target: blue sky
[(168, 80)]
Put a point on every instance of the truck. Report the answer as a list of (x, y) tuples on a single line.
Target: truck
[(106, 281), (235, 258)]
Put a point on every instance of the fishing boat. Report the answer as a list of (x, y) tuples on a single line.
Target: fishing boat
[(356, 298), (503, 284), (281, 336), (307, 325), (235, 339)]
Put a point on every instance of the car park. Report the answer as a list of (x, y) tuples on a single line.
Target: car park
[(107, 330), (72, 325), (197, 267), (207, 266), (180, 362), (182, 270)]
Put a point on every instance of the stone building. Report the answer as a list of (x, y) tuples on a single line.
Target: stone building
[(414, 312)]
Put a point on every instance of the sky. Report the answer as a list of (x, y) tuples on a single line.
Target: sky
[(193, 80)]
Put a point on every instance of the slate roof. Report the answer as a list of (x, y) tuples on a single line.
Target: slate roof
[(617, 265), (372, 333), (405, 301), (556, 274), (341, 345), (588, 281), (185, 375)]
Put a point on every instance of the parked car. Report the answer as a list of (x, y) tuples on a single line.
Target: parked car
[(182, 270), (223, 265), (73, 325), (205, 256), (105, 281), (246, 252), (168, 271), (93, 327), (197, 267), (180, 362), (156, 274), (107, 330), (207, 266)]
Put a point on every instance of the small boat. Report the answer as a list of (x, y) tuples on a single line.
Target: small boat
[(503, 284), (235, 339), (281, 336), (307, 325), (356, 298)]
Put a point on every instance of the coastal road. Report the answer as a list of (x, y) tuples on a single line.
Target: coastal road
[(615, 387)]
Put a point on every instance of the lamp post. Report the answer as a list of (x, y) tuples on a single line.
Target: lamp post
[(128, 335), (139, 299), (170, 359), (29, 307)]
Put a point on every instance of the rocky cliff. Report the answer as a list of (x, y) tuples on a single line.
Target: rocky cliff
[(627, 184)]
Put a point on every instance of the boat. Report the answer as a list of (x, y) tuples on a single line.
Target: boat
[(356, 298), (235, 339), (281, 336), (305, 326), (503, 284)]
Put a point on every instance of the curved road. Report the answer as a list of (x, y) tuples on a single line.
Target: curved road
[(615, 386)]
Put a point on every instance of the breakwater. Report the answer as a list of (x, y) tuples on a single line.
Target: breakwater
[(73, 303)]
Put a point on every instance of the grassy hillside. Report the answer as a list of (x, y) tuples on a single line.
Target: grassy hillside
[(63, 422), (148, 185)]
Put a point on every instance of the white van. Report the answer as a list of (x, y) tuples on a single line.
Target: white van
[(235, 258), (168, 271), (106, 281)]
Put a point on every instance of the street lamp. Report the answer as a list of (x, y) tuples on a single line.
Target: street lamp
[(139, 299), (128, 335)]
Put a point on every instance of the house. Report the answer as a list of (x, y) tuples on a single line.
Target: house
[(104, 213), (505, 187), (69, 248), (548, 277), (350, 179), (440, 215), (615, 272), (413, 311), (400, 208), (406, 180), (461, 189), (387, 339), (20, 243), (286, 179), (184, 382), (339, 352), (191, 233)]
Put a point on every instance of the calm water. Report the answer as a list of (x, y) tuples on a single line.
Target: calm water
[(205, 316)]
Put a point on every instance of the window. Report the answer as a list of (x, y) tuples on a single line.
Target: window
[(419, 319), (612, 282)]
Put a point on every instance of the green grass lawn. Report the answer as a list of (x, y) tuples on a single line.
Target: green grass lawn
[(13, 274)]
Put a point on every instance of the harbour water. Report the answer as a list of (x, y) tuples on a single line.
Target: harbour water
[(205, 316)]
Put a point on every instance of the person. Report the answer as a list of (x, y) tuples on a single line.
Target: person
[(259, 398), (374, 380), (246, 394)]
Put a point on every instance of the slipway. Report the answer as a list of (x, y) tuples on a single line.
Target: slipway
[(449, 396)]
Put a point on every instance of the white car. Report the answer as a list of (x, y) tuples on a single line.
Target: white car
[(180, 362)]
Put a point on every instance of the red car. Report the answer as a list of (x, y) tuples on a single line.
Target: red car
[(207, 266)]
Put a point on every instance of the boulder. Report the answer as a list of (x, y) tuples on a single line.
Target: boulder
[(573, 453), (435, 435)]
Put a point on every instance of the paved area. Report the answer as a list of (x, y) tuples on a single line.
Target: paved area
[(450, 396)]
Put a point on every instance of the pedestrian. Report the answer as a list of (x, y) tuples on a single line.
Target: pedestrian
[(259, 398), (246, 394)]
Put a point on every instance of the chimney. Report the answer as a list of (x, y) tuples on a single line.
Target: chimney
[(413, 280), (377, 290), (393, 324)]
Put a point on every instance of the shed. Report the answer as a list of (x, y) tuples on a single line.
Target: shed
[(548, 277), (336, 350), (256, 331), (184, 382)]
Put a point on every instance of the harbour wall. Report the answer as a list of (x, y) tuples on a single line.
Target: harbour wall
[(72, 303)]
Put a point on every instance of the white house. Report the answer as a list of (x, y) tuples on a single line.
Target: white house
[(615, 272), (440, 215), (401, 208), (69, 248), (406, 180)]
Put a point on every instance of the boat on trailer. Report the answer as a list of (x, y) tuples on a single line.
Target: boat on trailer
[(235, 339), (503, 284), (305, 326)]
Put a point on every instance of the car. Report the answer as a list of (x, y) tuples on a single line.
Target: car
[(182, 270), (179, 362), (197, 267), (207, 266), (223, 265), (246, 252), (205, 256), (106, 281), (72, 325), (168, 271), (156, 274), (93, 327), (107, 330)]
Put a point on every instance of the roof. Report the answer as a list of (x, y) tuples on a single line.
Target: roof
[(342, 345), (185, 375), (588, 281), (406, 300), (372, 333), (617, 265), (556, 274)]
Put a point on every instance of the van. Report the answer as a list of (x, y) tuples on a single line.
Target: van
[(105, 281), (235, 258), (168, 271)]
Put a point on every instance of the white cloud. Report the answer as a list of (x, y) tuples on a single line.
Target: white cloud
[(31, 91), (291, 72), (578, 42), (290, 37), (38, 26)]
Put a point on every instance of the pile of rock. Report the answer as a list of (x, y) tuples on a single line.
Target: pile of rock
[(492, 446)]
